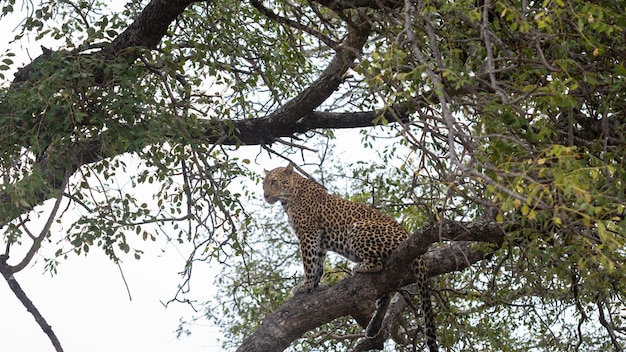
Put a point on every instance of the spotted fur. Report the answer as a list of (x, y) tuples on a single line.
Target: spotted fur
[(323, 222)]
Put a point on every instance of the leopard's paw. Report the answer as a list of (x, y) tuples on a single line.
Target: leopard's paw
[(306, 288), (302, 288), (367, 267)]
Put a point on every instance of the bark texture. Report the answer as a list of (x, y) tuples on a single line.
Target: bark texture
[(356, 295)]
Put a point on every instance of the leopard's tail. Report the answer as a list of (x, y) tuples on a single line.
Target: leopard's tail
[(429, 315), (423, 283)]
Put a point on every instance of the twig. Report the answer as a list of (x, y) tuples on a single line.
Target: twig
[(294, 24), (130, 298), (294, 145), (608, 327), (44, 232)]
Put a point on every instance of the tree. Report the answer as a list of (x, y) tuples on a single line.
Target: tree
[(506, 157)]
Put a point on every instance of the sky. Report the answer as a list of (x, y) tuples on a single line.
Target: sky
[(87, 302), (88, 307)]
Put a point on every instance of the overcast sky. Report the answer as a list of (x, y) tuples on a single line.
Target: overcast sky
[(87, 304), (88, 307)]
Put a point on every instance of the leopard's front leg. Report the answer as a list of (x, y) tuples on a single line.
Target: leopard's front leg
[(313, 259)]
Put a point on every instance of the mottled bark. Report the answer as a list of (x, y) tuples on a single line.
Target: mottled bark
[(355, 295)]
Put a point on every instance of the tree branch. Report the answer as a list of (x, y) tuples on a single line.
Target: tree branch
[(267, 129), (7, 273), (301, 107), (355, 295), (44, 231), (146, 31), (342, 5)]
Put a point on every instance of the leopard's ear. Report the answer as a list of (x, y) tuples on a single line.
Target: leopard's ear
[(289, 168), (266, 171)]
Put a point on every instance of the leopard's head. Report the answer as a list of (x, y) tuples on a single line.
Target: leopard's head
[(277, 185)]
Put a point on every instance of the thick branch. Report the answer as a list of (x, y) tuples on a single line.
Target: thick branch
[(267, 129), (146, 31), (355, 295), (150, 26), (248, 132), (301, 107)]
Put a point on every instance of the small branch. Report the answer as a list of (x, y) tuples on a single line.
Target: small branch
[(7, 273), (294, 145), (44, 232), (130, 298), (78, 201), (491, 67), (294, 24), (8, 270), (608, 327)]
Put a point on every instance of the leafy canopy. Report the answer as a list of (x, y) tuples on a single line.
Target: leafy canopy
[(505, 111)]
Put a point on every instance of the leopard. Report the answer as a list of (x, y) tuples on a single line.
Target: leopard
[(324, 222)]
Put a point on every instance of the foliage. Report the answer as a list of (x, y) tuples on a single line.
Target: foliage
[(507, 111)]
